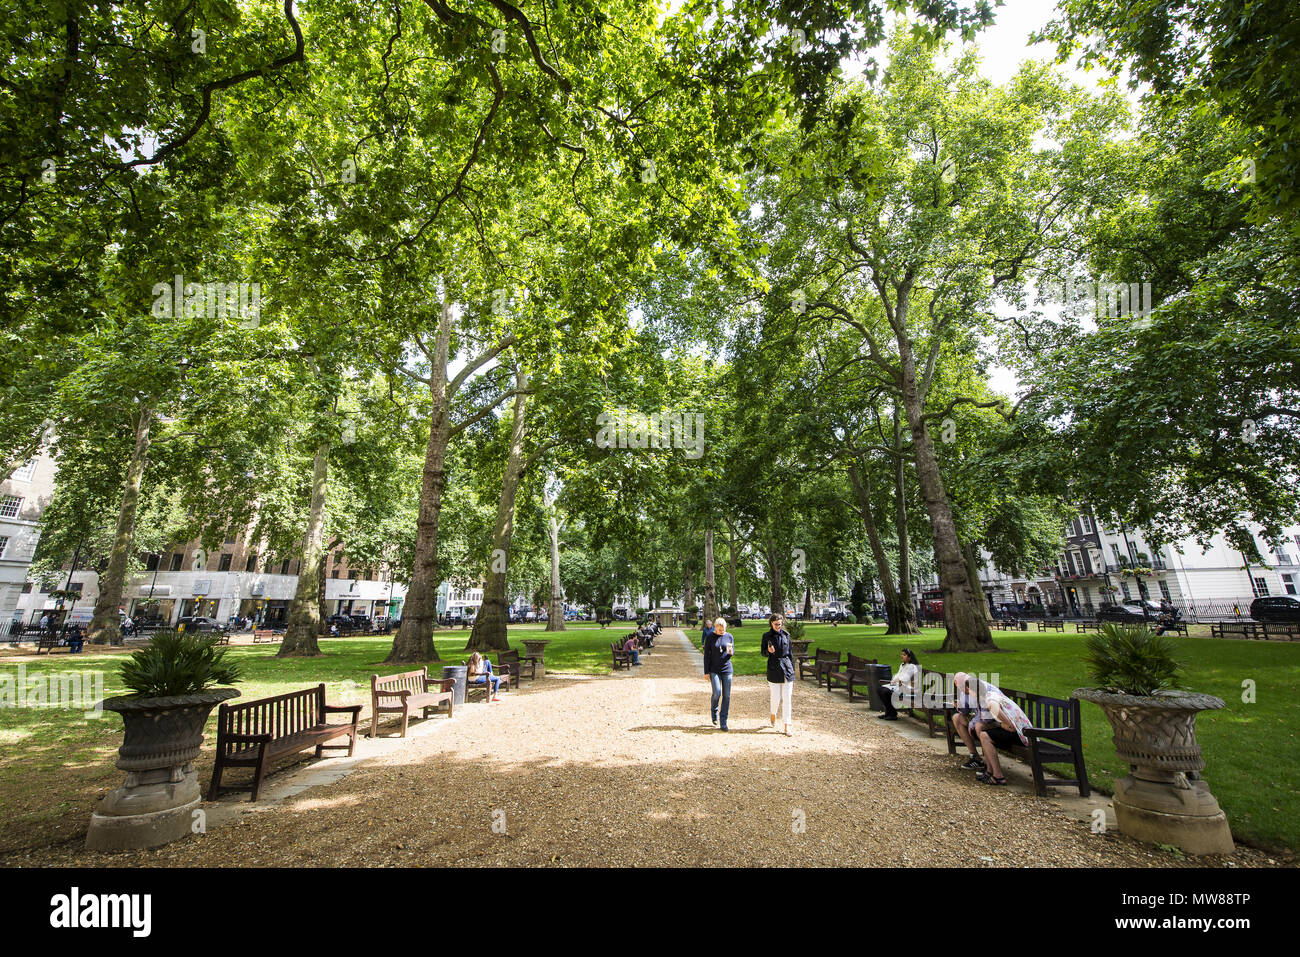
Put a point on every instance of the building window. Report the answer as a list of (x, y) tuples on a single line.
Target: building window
[(9, 506), (77, 586), (226, 558), (151, 562), (24, 472), (284, 567), (1288, 583), (4, 544), (1114, 550), (1164, 591), (1086, 522), (27, 588), (251, 565), (1260, 587), (1132, 553), (334, 574), (176, 561)]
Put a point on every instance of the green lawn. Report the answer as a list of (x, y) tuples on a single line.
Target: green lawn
[(1252, 750)]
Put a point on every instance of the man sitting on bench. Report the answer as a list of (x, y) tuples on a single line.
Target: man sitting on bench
[(999, 723), (632, 647)]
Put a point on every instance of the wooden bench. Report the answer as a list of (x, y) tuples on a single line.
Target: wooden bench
[(1234, 629), (1083, 627), (1051, 624), (255, 733), (262, 634), (931, 703), (407, 692), (819, 663), (52, 643), (513, 663), (622, 659), (1288, 631), (1056, 737), (1178, 626), (854, 672)]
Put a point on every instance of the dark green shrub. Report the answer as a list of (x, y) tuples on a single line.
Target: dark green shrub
[(177, 664)]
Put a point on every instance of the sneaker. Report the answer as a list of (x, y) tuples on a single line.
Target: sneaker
[(887, 717), (715, 720), (725, 728), (974, 764)]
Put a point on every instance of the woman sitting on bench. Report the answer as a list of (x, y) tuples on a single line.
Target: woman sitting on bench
[(480, 673), (904, 685)]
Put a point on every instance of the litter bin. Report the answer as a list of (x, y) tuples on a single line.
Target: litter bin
[(460, 673), (879, 674)]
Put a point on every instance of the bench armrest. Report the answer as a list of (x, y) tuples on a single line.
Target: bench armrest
[(384, 693), (1069, 734), (340, 708)]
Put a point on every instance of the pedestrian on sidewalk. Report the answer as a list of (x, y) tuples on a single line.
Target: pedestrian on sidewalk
[(780, 668), (719, 647)]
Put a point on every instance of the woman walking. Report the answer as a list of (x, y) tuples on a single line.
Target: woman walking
[(780, 668), (719, 646)]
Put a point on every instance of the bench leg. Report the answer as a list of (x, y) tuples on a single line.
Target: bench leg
[(1080, 771), (259, 772), (406, 716), (1036, 765), (352, 739), (214, 789)]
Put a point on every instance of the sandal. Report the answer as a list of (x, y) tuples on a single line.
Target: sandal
[(987, 778)]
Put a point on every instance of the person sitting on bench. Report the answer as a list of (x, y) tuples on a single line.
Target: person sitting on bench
[(480, 672), (967, 698), (901, 687), (632, 647), (1006, 730)]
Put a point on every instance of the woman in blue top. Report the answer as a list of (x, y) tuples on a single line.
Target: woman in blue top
[(719, 646)]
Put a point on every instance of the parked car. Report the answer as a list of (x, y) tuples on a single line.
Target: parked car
[(360, 622), (198, 623), (1279, 609), (1128, 613), (343, 623)]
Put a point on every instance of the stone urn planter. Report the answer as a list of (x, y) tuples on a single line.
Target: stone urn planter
[(536, 648), (799, 646), (154, 805), (1163, 800)]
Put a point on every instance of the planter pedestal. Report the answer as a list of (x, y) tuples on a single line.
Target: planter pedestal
[(1163, 799), (155, 804)]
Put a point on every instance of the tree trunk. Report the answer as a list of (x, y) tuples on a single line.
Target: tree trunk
[(732, 593), (555, 612), (304, 624), (807, 604), (106, 624), (414, 639), (973, 570), (688, 587), (710, 585), (897, 620), (489, 632), (968, 626), (906, 607)]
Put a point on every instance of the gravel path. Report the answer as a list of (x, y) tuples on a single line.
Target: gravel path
[(627, 770)]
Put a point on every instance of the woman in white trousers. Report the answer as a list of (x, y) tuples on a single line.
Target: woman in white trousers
[(780, 668)]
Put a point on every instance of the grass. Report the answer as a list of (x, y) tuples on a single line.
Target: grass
[(1250, 747), (55, 764)]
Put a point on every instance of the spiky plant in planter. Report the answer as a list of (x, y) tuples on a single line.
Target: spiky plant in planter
[(173, 682), (1162, 800), (1132, 660), (175, 663)]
